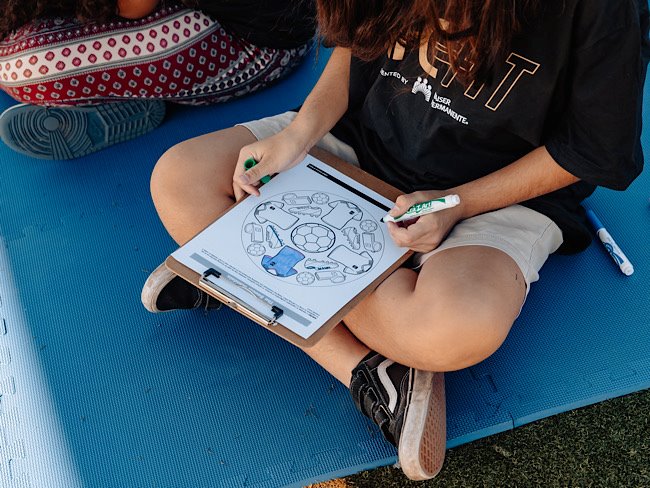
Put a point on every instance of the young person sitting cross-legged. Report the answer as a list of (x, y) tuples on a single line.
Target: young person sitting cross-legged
[(520, 107)]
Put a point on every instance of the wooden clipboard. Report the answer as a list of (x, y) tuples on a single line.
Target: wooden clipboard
[(209, 281)]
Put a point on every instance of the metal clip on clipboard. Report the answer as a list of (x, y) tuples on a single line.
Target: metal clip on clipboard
[(207, 282)]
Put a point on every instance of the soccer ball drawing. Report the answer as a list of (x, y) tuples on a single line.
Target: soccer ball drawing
[(313, 237)]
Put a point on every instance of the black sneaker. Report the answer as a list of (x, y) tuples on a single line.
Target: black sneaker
[(408, 405), (164, 291), (67, 132)]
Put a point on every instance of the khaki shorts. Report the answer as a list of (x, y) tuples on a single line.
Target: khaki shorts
[(525, 235)]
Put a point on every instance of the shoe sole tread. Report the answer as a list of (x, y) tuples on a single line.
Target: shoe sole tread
[(69, 132)]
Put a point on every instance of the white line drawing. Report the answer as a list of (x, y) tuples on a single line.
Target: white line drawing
[(306, 210), (319, 264), (320, 198), (273, 237), (255, 249), (370, 243), (368, 225), (342, 212), (256, 232), (354, 240), (333, 275), (354, 263), (272, 212), (312, 237), (293, 199), (305, 278)]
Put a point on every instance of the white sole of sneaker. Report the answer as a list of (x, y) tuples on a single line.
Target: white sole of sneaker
[(423, 439), (157, 280)]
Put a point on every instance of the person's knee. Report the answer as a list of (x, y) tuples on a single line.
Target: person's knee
[(448, 338), (169, 174)]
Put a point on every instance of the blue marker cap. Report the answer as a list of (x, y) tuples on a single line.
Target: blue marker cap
[(593, 220)]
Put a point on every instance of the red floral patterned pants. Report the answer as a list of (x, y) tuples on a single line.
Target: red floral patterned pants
[(175, 54)]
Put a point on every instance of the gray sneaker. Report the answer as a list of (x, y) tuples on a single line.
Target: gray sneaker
[(408, 405), (69, 132), (164, 291)]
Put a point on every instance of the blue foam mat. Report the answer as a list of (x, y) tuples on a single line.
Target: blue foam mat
[(97, 392)]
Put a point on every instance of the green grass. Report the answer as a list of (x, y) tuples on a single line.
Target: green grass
[(603, 445)]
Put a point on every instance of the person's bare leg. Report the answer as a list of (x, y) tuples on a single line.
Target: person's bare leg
[(192, 182), (456, 312)]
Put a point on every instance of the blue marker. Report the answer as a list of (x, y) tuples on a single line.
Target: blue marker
[(607, 240)]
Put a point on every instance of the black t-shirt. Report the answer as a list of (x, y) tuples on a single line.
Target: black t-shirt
[(265, 23), (573, 82)]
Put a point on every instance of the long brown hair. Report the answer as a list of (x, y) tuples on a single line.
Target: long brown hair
[(474, 33), (17, 13)]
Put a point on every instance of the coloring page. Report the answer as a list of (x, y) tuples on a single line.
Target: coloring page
[(307, 245)]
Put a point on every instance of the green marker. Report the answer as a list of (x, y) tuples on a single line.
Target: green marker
[(249, 163), (424, 208)]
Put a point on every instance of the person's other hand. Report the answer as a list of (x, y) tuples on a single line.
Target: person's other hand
[(273, 155)]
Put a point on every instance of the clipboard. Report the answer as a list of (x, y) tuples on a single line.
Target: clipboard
[(223, 285)]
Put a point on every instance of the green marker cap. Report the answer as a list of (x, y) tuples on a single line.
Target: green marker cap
[(249, 163)]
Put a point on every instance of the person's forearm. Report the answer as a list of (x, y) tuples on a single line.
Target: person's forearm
[(327, 101), (533, 175)]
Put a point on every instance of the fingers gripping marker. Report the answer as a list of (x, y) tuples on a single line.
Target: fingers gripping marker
[(249, 163)]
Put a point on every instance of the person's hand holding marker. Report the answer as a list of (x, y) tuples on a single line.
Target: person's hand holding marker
[(421, 220), (249, 163), (271, 155)]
